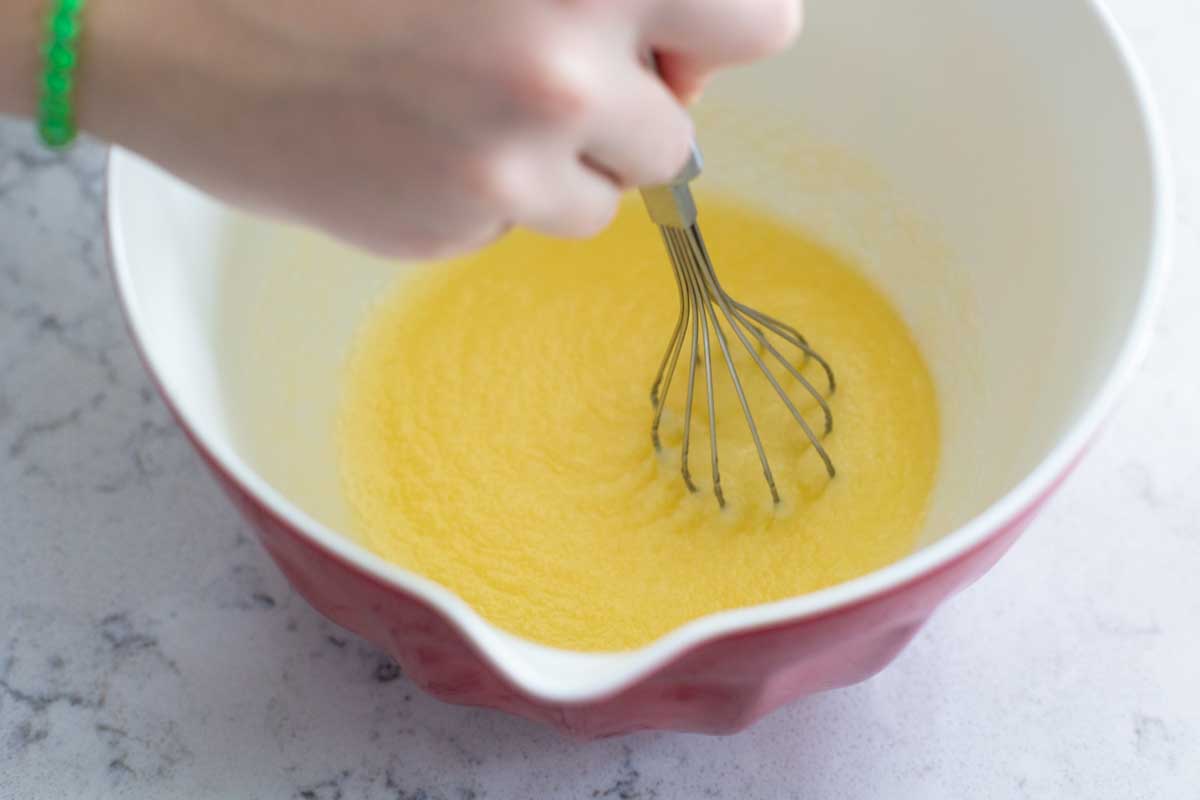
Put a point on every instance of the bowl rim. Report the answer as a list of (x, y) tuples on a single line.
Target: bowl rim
[(536, 673)]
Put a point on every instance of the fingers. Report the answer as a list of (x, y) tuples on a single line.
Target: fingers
[(637, 134), (641, 134), (719, 32), (607, 123), (582, 118), (695, 37), (565, 196)]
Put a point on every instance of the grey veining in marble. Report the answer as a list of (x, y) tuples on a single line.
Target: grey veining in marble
[(149, 649)]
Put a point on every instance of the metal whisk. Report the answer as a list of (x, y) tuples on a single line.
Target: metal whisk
[(701, 299)]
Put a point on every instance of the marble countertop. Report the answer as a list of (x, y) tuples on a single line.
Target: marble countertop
[(149, 649)]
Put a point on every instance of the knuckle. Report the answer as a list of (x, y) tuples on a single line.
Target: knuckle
[(552, 85), (494, 179), (590, 221), (674, 149), (779, 23)]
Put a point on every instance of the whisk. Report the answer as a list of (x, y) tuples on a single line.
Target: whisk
[(701, 299)]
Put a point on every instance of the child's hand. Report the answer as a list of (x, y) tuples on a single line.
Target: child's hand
[(415, 127)]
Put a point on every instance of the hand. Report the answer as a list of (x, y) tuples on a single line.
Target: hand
[(416, 127)]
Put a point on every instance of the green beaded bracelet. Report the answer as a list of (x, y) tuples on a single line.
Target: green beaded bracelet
[(56, 114)]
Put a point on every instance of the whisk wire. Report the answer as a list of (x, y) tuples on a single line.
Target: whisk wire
[(701, 270), (702, 303), (787, 401), (671, 358), (803, 381), (684, 466), (705, 313), (790, 335)]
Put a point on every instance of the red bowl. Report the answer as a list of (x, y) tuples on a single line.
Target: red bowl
[(1053, 224)]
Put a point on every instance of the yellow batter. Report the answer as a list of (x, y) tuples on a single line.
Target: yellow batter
[(494, 434)]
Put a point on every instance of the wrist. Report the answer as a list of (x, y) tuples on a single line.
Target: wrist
[(20, 59), (116, 78), (152, 70)]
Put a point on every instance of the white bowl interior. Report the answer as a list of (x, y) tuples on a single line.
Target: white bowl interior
[(987, 164)]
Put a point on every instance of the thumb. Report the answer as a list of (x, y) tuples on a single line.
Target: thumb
[(684, 76)]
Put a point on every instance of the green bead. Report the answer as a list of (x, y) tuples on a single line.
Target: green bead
[(52, 107), (61, 57), (58, 83), (65, 26), (54, 100), (54, 111), (56, 134)]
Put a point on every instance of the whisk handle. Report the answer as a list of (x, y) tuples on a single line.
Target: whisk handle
[(671, 204), (691, 169)]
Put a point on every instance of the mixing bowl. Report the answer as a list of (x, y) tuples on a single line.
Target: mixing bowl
[(994, 167)]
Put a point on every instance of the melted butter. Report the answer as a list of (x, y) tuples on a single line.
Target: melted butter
[(494, 434)]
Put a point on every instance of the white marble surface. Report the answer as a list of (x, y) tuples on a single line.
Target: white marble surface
[(149, 649)]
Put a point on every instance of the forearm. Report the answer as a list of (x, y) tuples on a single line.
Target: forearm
[(416, 128), (20, 31)]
